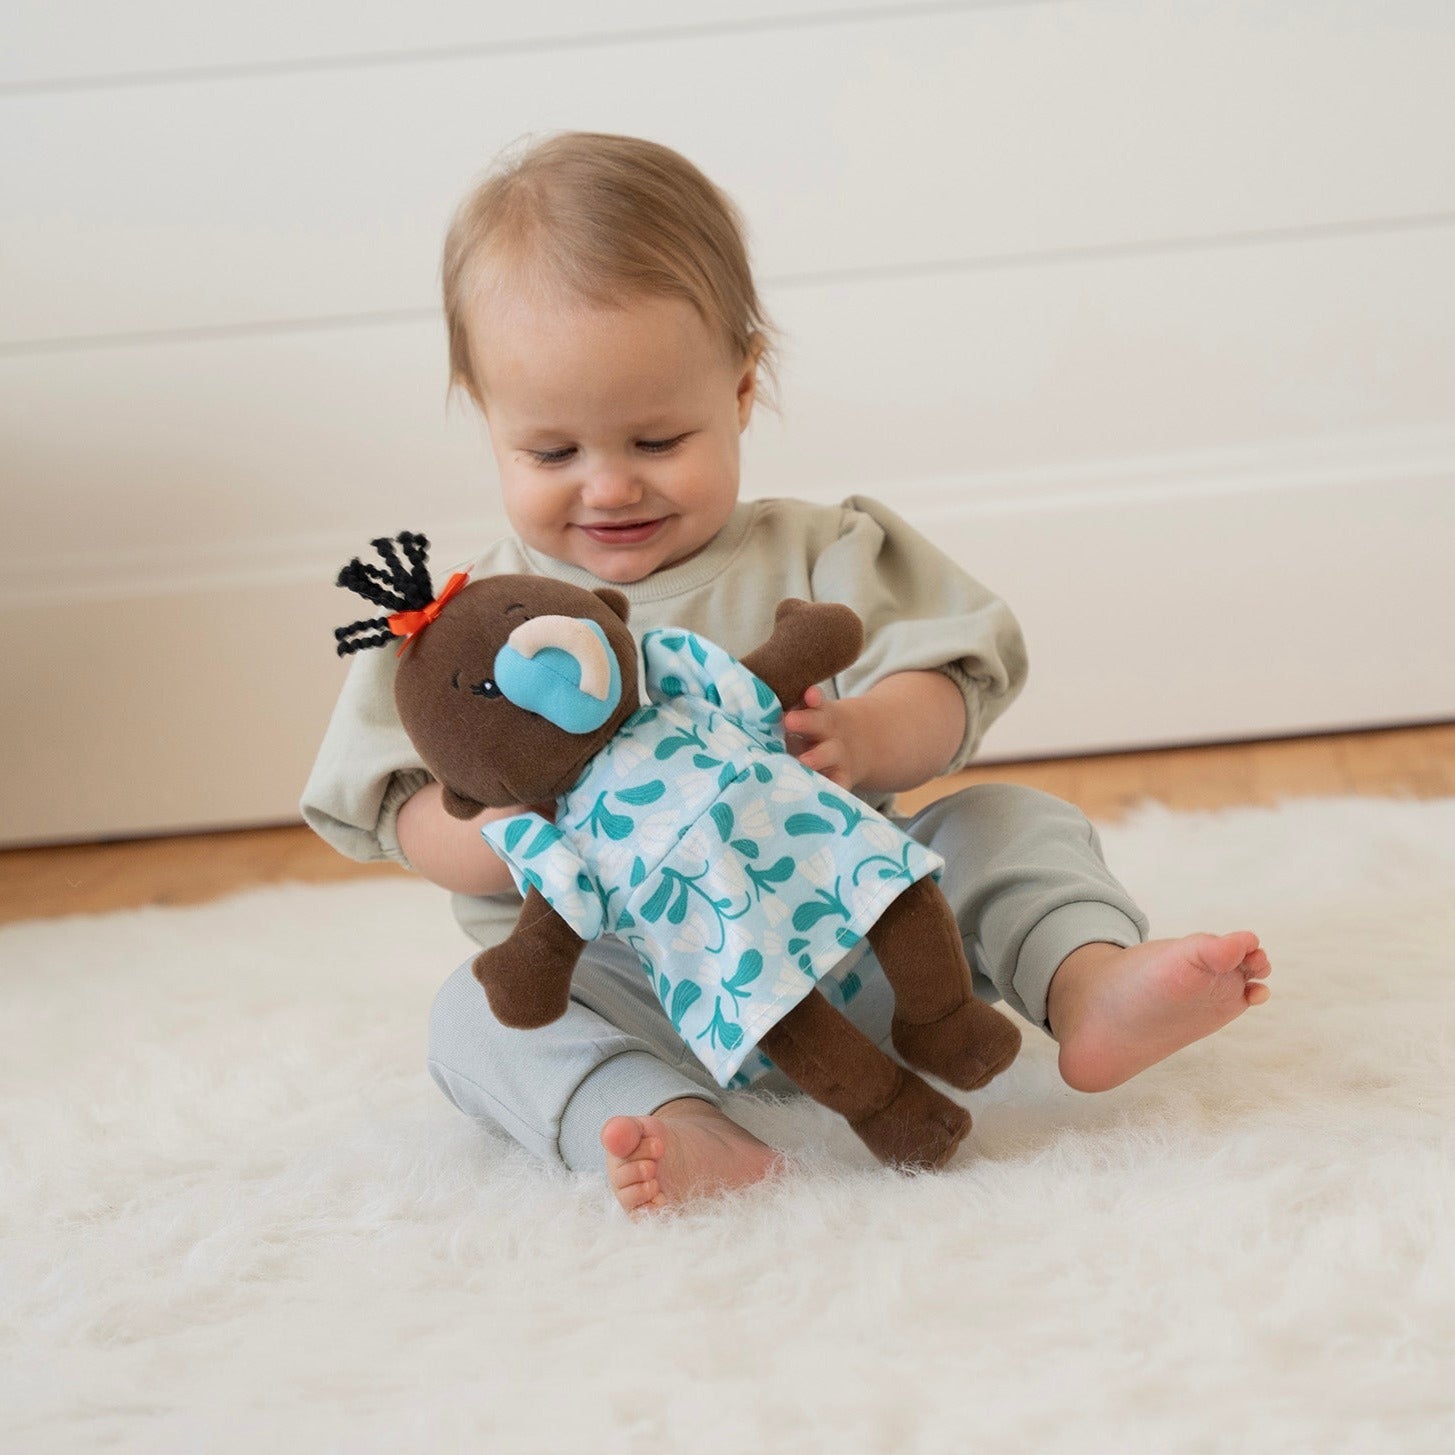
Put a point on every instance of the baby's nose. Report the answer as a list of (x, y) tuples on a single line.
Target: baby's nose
[(611, 485)]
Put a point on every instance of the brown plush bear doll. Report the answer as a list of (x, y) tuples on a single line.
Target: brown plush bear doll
[(684, 827)]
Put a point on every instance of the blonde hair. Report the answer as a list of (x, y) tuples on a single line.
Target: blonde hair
[(600, 218)]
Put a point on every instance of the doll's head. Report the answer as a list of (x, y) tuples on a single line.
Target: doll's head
[(507, 686), (603, 317)]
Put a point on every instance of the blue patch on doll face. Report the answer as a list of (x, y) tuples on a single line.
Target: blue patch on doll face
[(549, 685)]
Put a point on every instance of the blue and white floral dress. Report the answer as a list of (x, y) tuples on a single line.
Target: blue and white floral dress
[(740, 877)]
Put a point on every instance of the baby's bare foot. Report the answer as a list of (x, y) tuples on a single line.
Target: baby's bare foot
[(1117, 1011), (686, 1149)]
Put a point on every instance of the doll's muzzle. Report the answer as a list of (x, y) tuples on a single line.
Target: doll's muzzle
[(561, 668)]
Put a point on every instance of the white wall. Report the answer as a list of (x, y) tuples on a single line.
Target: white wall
[(1145, 311)]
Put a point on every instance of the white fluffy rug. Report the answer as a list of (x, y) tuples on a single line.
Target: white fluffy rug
[(235, 1214)]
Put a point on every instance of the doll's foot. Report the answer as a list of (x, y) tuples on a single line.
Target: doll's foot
[(687, 1149), (1116, 1011), (918, 1130), (968, 1048)]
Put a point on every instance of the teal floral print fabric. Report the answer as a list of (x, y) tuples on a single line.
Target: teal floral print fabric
[(741, 878)]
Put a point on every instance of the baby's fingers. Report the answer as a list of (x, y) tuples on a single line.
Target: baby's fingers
[(812, 699), (807, 722), (827, 758)]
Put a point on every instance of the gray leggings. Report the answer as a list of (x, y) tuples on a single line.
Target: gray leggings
[(1023, 872)]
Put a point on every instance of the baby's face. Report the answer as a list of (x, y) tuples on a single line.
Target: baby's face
[(615, 430)]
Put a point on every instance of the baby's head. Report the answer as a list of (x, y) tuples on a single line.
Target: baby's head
[(603, 317)]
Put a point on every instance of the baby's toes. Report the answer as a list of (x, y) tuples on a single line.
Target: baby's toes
[(1256, 966), (1239, 945), (640, 1196), (1221, 955), (627, 1137), (635, 1183)]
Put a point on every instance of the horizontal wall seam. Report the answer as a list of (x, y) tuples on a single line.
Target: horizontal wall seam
[(526, 45), (1417, 458), (990, 262)]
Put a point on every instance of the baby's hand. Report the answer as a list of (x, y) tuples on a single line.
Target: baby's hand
[(825, 735)]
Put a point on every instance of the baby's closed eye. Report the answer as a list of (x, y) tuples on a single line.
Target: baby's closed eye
[(564, 452)]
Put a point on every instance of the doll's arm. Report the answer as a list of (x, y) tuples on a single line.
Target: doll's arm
[(811, 642), (527, 977)]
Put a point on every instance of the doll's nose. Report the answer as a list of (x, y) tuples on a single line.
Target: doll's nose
[(563, 669)]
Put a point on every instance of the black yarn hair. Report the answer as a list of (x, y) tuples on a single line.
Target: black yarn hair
[(403, 587)]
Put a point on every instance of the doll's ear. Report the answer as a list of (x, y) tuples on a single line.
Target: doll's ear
[(457, 805), (615, 600)]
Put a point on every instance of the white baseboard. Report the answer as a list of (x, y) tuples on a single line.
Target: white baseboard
[(1276, 591)]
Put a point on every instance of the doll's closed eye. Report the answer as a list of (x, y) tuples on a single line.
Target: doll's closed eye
[(484, 688)]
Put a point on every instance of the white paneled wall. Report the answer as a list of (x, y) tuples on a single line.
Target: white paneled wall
[(1145, 311)]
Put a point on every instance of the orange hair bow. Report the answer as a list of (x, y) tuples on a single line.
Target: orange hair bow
[(409, 624)]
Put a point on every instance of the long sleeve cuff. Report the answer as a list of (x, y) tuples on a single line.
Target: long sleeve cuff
[(1063, 930), (633, 1084), (402, 787)]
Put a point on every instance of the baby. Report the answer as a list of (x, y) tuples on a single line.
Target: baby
[(603, 317)]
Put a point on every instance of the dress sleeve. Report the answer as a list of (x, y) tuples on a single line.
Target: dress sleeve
[(366, 767), (921, 612), (683, 664), (540, 856)]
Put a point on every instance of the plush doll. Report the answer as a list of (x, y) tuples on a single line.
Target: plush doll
[(684, 826)]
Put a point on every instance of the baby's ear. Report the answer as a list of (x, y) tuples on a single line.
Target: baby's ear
[(615, 600), (457, 805)]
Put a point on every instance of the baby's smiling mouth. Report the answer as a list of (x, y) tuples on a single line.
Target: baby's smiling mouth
[(622, 530)]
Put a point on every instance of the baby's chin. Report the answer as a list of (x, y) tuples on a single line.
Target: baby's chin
[(620, 568), (622, 575)]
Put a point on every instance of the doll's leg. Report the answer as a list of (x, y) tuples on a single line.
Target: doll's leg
[(900, 1118), (612, 1053), (938, 1023), (1027, 884)]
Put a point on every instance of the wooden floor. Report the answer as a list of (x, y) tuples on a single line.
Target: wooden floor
[(1403, 763)]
